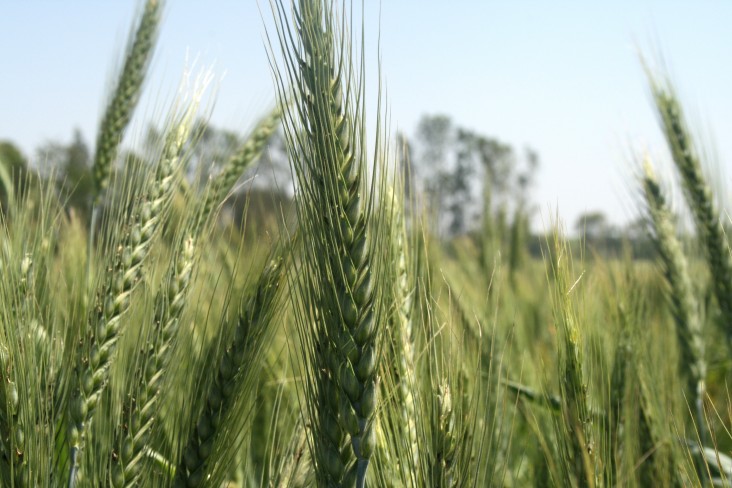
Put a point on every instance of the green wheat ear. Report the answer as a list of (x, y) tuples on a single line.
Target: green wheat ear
[(684, 307), (401, 353), (698, 196), (683, 302), (573, 382), (106, 321), (125, 96), (238, 367), (340, 284), (140, 411)]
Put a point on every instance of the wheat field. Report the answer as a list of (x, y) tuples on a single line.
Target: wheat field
[(337, 338)]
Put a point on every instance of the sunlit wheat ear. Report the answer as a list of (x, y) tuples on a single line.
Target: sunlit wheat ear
[(125, 95), (240, 363), (698, 196), (342, 288), (28, 338), (404, 293), (397, 457), (140, 411), (113, 299), (684, 306)]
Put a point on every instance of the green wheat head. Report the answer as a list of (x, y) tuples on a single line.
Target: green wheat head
[(105, 320), (698, 196), (340, 283), (683, 302), (576, 427), (125, 95), (235, 372)]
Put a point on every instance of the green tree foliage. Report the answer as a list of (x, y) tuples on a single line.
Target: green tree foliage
[(592, 224), (472, 182), (466, 175), (71, 164)]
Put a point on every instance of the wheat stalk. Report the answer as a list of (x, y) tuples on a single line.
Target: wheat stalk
[(443, 472), (684, 307), (405, 334), (12, 433), (573, 381), (140, 411)]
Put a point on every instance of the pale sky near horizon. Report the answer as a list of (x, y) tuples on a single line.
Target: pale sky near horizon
[(562, 77)]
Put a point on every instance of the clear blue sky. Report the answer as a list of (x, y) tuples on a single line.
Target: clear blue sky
[(562, 77)]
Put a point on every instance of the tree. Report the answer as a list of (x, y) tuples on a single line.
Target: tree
[(447, 165), (71, 165), (77, 169), (434, 135), (13, 160), (434, 138), (456, 165), (273, 170), (593, 225), (212, 148)]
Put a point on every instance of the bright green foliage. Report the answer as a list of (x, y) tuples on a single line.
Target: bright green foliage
[(683, 302)]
